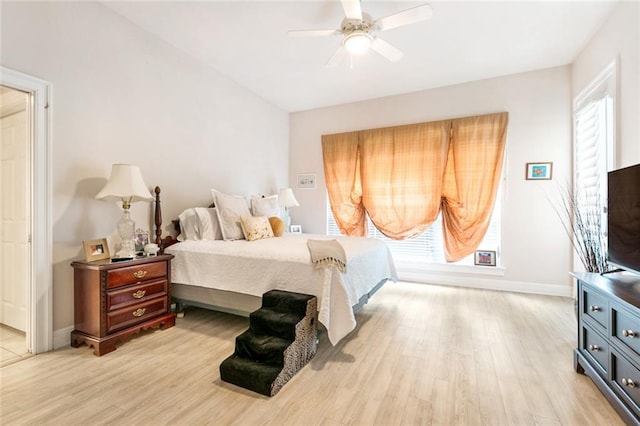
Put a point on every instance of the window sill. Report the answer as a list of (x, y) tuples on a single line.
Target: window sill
[(440, 268)]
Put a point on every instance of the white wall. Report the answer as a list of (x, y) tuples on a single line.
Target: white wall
[(618, 39), (535, 249), (122, 95)]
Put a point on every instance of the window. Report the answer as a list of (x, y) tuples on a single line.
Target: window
[(594, 136), (427, 248)]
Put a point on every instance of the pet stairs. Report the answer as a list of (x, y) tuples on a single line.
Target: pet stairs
[(281, 339)]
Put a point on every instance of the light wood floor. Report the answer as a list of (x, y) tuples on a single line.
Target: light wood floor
[(13, 345), (420, 355)]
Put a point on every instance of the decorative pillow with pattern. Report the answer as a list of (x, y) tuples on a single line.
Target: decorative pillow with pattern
[(256, 227), (230, 208)]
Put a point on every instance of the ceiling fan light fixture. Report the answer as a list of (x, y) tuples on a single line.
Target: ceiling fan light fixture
[(358, 42)]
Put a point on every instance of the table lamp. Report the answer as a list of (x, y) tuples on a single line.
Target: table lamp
[(286, 199), (125, 184)]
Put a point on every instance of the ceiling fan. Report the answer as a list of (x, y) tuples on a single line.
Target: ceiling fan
[(360, 31)]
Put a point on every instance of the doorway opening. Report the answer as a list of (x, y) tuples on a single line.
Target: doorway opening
[(15, 222), (26, 215)]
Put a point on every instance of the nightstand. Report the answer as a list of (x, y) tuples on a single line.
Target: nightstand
[(113, 301)]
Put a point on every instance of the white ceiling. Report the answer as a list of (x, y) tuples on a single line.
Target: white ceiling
[(463, 41)]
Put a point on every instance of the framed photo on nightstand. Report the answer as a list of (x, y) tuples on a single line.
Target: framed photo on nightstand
[(140, 239), (96, 249), (296, 229)]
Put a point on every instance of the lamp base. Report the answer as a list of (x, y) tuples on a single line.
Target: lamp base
[(126, 227)]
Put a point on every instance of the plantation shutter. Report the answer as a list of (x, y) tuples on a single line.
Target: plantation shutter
[(594, 129)]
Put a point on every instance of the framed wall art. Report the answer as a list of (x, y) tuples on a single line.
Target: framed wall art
[(96, 249), (539, 171), (485, 258), (306, 181)]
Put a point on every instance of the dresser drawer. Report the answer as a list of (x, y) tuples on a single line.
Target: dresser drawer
[(135, 274), (135, 314), (596, 306), (121, 297), (595, 347), (627, 376), (626, 328)]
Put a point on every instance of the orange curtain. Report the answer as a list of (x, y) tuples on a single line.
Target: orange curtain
[(341, 158), (471, 181), (401, 172)]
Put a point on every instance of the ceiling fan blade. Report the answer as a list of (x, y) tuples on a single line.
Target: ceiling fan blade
[(337, 57), (312, 33), (352, 9), (386, 50), (406, 17)]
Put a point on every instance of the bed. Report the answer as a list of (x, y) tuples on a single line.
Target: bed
[(232, 275)]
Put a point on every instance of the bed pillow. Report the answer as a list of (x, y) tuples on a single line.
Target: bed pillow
[(230, 208), (209, 226), (256, 227), (265, 206), (188, 225), (277, 226)]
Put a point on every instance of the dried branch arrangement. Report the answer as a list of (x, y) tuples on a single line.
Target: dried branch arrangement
[(583, 220)]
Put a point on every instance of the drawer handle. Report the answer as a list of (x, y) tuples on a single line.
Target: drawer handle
[(139, 312), (629, 333), (628, 382), (594, 348), (593, 308), (140, 274), (139, 294)]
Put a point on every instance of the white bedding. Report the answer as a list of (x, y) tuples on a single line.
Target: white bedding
[(284, 263)]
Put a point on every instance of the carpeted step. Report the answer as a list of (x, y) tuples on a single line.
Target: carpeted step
[(281, 339), (286, 301), (261, 348), (274, 323), (249, 374)]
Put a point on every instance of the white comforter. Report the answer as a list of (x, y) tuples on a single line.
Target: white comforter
[(255, 267)]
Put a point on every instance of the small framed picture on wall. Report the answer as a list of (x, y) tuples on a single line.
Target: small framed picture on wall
[(306, 181), (296, 229), (539, 171)]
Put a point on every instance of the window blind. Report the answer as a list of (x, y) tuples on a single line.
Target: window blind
[(428, 246)]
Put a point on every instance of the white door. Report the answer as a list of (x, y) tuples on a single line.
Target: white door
[(15, 208)]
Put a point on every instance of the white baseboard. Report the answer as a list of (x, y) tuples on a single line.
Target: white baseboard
[(62, 337), (487, 283)]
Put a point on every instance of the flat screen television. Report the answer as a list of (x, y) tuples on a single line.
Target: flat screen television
[(623, 218)]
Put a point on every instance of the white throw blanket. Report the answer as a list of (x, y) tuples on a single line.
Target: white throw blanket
[(327, 253)]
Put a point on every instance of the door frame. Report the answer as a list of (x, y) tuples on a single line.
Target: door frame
[(40, 291)]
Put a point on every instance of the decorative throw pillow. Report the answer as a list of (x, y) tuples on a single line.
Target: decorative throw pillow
[(188, 225), (277, 226), (209, 226), (256, 227), (265, 206), (230, 208)]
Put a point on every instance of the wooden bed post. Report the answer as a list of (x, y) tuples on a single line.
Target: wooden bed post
[(158, 218)]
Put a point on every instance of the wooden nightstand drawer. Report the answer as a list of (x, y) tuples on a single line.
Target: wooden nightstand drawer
[(135, 274), (596, 306), (135, 314), (596, 347), (117, 299)]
